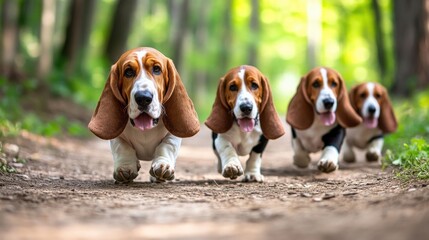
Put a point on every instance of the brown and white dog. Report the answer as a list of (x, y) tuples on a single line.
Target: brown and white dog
[(243, 118), (318, 113), (371, 102), (144, 111)]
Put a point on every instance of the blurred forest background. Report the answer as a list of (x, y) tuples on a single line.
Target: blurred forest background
[(53, 50)]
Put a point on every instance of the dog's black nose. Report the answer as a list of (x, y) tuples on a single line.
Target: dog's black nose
[(246, 108), (143, 98), (371, 109), (328, 103)]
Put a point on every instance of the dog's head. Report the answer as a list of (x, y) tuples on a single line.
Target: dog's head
[(244, 95), (372, 103), (321, 94), (144, 87)]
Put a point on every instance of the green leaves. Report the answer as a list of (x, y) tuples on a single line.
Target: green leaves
[(412, 160)]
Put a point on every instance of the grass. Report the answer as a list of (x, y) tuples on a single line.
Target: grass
[(408, 148), (412, 160)]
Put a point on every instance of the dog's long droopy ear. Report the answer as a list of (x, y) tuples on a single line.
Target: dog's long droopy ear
[(387, 120), (180, 117), (220, 119), (271, 125), (300, 112), (110, 117), (352, 98), (347, 116)]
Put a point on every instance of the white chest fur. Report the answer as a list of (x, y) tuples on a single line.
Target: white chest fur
[(311, 138), (241, 141), (360, 135), (144, 143)]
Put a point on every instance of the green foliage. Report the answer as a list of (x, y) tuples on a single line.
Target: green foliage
[(412, 116), (13, 118), (412, 160)]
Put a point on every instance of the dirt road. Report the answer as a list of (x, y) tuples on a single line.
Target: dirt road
[(65, 191)]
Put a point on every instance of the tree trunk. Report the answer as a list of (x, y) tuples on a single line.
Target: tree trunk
[(199, 85), (120, 29), (254, 33), (411, 46), (314, 31), (46, 39), (225, 50), (178, 29), (9, 33), (379, 39)]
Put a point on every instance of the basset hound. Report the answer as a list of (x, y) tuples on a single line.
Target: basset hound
[(371, 102), (318, 113), (144, 110), (243, 118)]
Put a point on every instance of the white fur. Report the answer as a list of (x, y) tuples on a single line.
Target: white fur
[(234, 143), (370, 100), (144, 82), (156, 144), (329, 160), (325, 93), (244, 96), (359, 136), (310, 141)]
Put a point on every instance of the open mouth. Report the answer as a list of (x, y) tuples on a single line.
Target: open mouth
[(247, 124), (370, 122), (328, 118), (144, 121)]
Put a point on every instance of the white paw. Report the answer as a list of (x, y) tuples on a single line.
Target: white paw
[(327, 165), (161, 171), (125, 174), (253, 177), (301, 160), (232, 170), (373, 155)]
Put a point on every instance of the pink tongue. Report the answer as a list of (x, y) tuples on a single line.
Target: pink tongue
[(328, 118), (246, 124), (370, 122), (143, 122)]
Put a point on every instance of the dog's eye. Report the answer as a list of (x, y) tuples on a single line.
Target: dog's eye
[(129, 73), (362, 95), (233, 88), (334, 84), (316, 85), (156, 70), (377, 96), (254, 86)]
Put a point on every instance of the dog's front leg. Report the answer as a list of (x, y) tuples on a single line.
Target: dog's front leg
[(301, 157), (374, 148), (125, 162), (348, 154), (231, 166), (252, 173), (164, 160), (333, 141)]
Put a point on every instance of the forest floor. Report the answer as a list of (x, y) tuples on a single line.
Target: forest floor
[(65, 190)]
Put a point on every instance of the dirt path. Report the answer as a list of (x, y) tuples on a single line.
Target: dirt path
[(66, 191)]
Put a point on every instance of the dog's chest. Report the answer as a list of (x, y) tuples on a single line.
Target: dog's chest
[(243, 142), (144, 142), (311, 138), (360, 135)]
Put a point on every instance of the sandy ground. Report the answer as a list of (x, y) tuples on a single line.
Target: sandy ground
[(65, 190)]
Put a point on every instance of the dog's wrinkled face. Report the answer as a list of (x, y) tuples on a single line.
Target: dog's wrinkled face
[(323, 87), (143, 81), (243, 94), (368, 98)]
